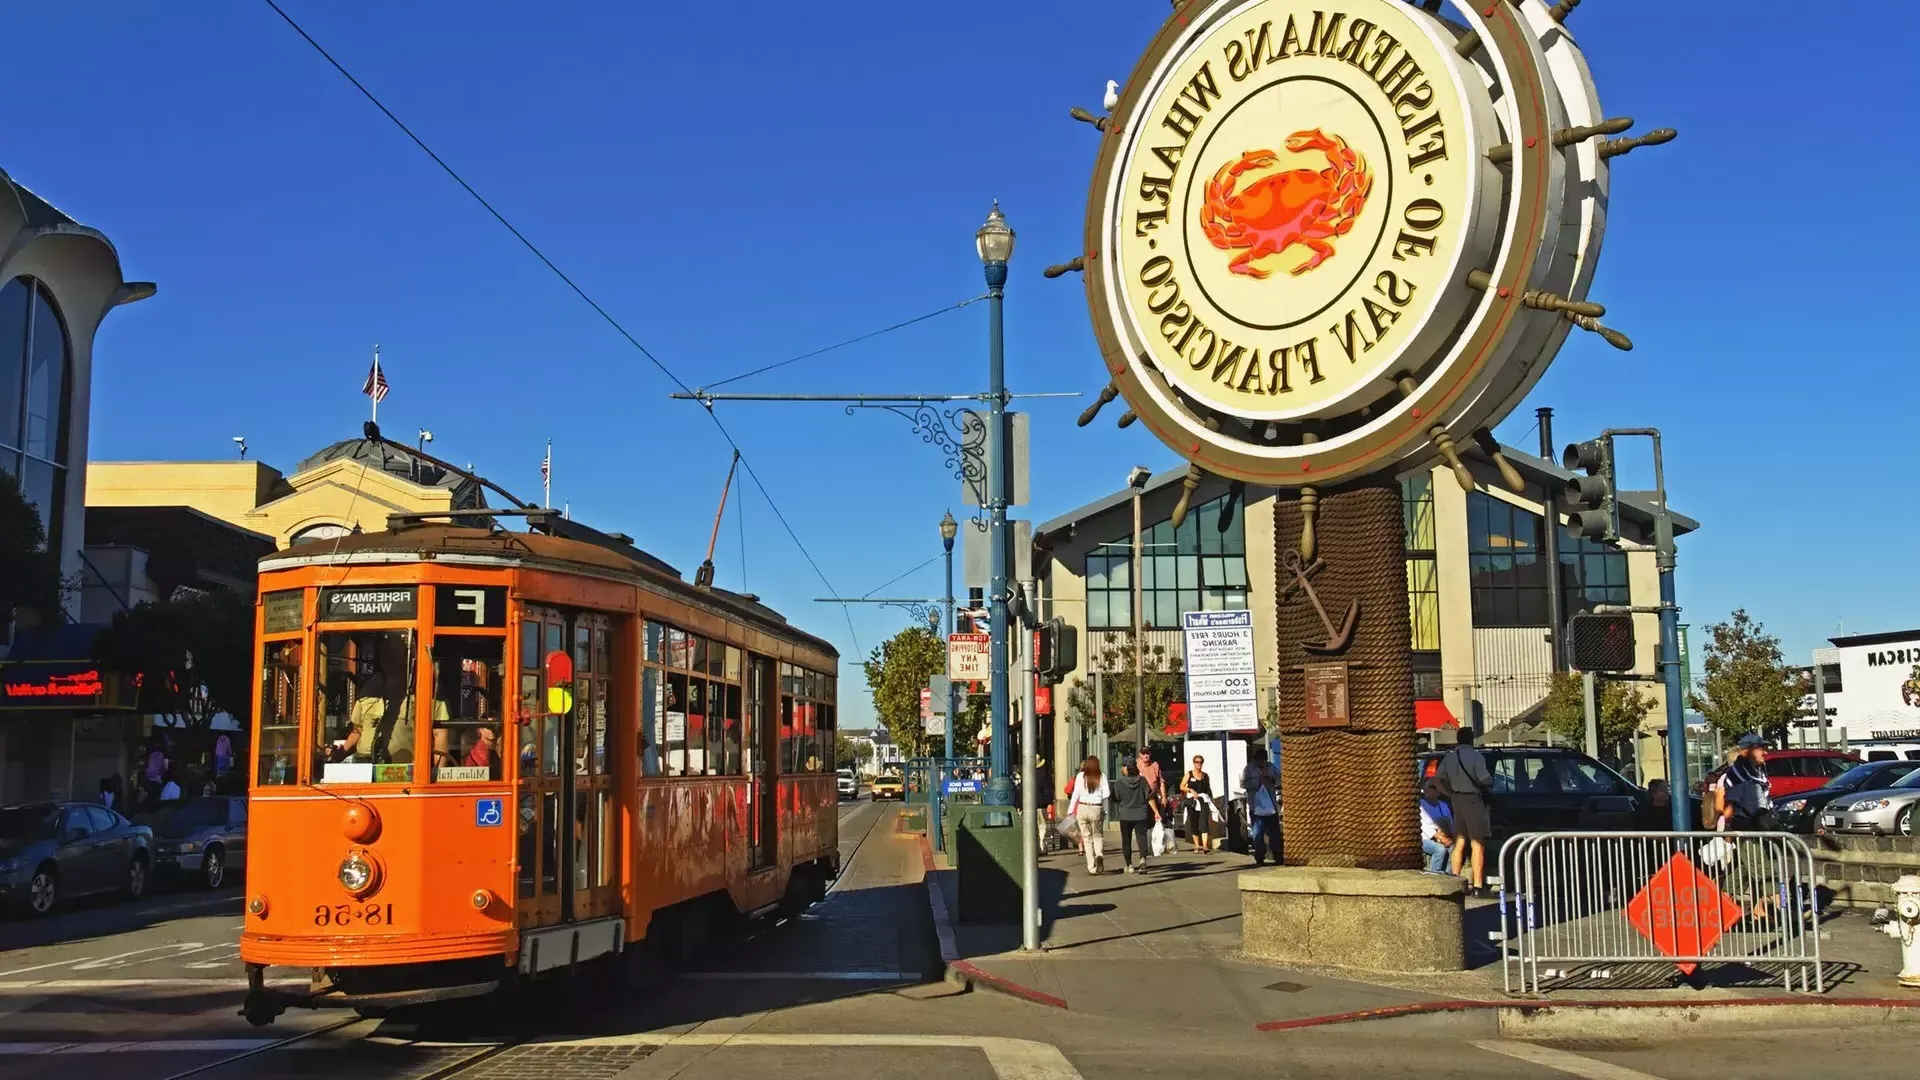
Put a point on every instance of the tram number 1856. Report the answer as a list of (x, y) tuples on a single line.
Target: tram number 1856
[(352, 914)]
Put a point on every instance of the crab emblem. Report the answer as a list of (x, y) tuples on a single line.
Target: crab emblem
[(1279, 210)]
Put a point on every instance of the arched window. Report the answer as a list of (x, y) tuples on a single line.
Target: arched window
[(322, 531), (35, 364)]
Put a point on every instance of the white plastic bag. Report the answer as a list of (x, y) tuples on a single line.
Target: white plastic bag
[(1716, 852), (1160, 838)]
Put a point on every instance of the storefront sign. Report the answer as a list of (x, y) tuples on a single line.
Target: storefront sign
[(52, 686), (1308, 216), (1220, 671), (374, 603), (283, 612)]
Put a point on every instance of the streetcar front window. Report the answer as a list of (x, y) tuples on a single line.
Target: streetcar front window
[(279, 742), (469, 681), (364, 731)]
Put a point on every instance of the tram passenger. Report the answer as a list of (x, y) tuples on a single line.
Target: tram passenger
[(385, 699)]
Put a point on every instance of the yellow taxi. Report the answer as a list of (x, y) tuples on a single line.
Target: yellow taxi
[(887, 785)]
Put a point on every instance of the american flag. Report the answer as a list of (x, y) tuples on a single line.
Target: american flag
[(376, 387), (546, 465)]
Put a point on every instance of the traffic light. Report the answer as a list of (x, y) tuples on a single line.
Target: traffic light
[(1593, 509), (1058, 652), (1600, 643)]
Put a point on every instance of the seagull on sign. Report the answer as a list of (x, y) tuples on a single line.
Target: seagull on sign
[(1113, 96)]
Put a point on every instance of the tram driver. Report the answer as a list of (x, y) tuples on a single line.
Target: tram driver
[(384, 703)]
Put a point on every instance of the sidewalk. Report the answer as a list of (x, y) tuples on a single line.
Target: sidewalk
[(1106, 942)]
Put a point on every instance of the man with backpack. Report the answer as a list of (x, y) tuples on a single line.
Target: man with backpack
[(1463, 773)]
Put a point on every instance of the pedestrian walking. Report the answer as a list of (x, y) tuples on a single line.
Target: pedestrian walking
[(1743, 795), (1134, 806), (1090, 795), (1463, 774), (1260, 783), (1150, 772), (169, 788), (1197, 786), (1436, 827)]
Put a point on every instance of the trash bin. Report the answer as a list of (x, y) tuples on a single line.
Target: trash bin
[(987, 847)]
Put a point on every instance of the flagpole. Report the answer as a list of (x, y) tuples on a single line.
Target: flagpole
[(375, 396), (546, 478)]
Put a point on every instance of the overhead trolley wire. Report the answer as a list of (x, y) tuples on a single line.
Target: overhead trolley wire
[(582, 294), (843, 344)]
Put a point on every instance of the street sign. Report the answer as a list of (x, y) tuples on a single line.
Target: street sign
[(976, 555), (963, 787), (1682, 911), (927, 719), (1220, 671), (968, 657)]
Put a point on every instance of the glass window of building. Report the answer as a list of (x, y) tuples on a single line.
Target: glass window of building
[(1591, 573), (1508, 576), (1196, 567), (34, 373), (1423, 583)]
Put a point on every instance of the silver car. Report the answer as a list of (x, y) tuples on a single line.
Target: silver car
[(1886, 812), (200, 841)]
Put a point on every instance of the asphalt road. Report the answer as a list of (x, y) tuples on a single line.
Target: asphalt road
[(848, 989)]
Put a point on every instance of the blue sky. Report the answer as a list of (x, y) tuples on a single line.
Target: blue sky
[(741, 184)]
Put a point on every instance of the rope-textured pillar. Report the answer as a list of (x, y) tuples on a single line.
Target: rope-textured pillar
[(1349, 794)]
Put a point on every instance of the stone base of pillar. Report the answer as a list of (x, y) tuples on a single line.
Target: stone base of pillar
[(1369, 920)]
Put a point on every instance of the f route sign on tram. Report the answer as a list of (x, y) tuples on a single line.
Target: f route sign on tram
[(1682, 911)]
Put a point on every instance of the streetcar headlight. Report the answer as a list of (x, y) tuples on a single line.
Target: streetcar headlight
[(358, 874), (257, 907), (482, 899)]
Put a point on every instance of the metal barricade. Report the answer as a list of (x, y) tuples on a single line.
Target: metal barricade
[(1574, 905)]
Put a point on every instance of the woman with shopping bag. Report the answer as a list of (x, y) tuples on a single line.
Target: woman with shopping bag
[(1134, 807)]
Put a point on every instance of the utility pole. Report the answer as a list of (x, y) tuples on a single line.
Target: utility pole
[(948, 529), (1029, 792), (1556, 620), (1137, 480), (1820, 700), (1590, 698), (994, 242)]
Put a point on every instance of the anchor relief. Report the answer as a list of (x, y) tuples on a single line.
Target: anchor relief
[(1338, 638)]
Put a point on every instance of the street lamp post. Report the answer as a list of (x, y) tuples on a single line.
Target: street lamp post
[(994, 242), (948, 528)]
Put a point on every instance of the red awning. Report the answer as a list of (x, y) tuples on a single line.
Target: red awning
[(1428, 715)]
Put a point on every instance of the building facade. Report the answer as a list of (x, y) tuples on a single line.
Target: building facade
[(58, 281), (349, 486), (1477, 590), (1871, 686)]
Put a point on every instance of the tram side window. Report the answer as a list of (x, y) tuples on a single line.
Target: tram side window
[(365, 729), (696, 728), (653, 701), (732, 764), (279, 741), (676, 729), (469, 680), (787, 741)]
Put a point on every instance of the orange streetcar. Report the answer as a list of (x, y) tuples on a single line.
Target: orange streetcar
[(483, 756)]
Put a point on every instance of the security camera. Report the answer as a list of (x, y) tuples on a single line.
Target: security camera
[(426, 436), (240, 441), (1137, 479)]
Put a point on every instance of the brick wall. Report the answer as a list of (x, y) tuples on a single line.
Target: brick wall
[(1861, 869)]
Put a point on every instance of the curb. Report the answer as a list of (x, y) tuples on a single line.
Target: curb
[(1534, 1018), (963, 972)]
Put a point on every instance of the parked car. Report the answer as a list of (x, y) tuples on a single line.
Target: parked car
[(1884, 812), (887, 786), (53, 852), (1792, 772), (849, 785), (1800, 813), (200, 840), (1888, 751), (1555, 789)]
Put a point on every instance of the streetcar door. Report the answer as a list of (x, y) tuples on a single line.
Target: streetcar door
[(543, 793), (567, 818), (591, 862), (762, 739)]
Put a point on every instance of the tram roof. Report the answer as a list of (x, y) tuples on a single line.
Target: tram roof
[(601, 554)]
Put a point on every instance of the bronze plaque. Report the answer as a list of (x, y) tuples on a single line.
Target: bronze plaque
[(284, 611), (1326, 695)]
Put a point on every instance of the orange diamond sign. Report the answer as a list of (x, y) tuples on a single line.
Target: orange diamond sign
[(1682, 911)]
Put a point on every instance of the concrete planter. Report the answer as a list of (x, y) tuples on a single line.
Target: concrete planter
[(1374, 920)]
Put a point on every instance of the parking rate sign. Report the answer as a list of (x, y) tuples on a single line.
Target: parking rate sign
[(1220, 669)]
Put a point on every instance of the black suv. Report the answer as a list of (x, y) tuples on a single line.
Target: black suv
[(1554, 789)]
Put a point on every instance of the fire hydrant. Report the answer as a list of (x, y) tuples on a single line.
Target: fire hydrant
[(1903, 924)]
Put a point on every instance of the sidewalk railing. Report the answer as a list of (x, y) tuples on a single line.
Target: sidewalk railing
[(1573, 903)]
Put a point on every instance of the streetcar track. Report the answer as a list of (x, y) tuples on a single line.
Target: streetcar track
[(846, 868), (267, 1049)]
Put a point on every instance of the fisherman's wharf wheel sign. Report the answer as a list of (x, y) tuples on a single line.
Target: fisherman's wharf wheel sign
[(1332, 238)]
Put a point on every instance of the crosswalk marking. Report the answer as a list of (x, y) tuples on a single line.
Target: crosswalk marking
[(1560, 1060)]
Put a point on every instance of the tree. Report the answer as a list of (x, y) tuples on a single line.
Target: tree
[(896, 673), (191, 654), (1749, 686), (845, 754), (1621, 709), (1162, 679), (32, 578)]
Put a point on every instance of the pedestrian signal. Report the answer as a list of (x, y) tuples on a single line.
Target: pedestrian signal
[(1601, 643)]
